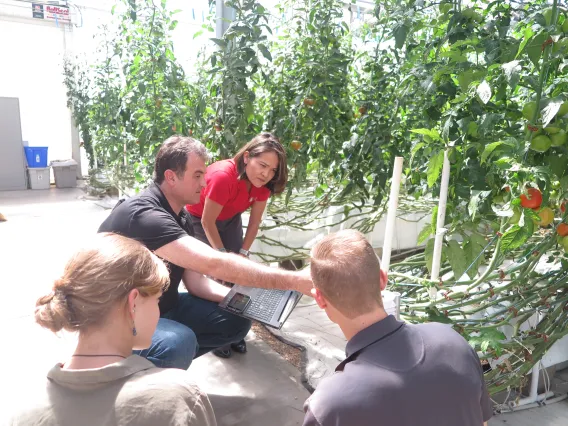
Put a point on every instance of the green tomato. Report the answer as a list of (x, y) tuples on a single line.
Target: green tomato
[(498, 199), (516, 217), (541, 143), (470, 13), (563, 109), (547, 13), (445, 8), (552, 130), (562, 44), (528, 110), (564, 243), (559, 138)]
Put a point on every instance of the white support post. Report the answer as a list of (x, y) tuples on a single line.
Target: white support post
[(391, 213), (440, 222)]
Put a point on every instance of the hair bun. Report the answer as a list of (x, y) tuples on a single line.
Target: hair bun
[(52, 312)]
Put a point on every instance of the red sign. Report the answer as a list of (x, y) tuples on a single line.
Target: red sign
[(57, 13)]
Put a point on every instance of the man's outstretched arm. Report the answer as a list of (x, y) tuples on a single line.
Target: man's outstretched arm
[(191, 253)]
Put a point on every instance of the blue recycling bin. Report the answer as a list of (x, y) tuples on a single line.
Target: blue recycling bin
[(36, 156)]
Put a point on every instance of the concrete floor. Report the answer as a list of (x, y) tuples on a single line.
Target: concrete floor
[(42, 230), (259, 388)]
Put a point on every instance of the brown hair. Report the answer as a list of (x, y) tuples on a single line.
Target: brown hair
[(345, 268), (265, 142), (173, 155), (95, 278)]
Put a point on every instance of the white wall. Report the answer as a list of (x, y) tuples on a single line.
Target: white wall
[(31, 58), (30, 69)]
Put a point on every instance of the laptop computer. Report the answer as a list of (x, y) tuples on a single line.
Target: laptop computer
[(268, 306)]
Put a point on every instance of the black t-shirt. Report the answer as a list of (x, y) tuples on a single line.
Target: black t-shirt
[(148, 218)]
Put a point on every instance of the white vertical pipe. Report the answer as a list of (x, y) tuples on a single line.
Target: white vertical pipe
[(534, 396), (440, 221), (219, 5), (391, 213)]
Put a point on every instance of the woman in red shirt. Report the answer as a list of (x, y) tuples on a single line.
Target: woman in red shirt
[(257, 171)]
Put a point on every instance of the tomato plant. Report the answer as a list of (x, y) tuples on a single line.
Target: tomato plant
[(483, 83)]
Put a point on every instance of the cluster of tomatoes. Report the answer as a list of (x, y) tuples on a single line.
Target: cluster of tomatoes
[(533, 200)]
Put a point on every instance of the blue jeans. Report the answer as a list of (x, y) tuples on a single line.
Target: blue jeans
[(194, 327)]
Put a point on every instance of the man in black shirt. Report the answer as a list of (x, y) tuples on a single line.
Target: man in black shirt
[(395, 373), (191, 324)]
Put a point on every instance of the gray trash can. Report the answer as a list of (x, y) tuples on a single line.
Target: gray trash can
[(65, 173), (38, 177)]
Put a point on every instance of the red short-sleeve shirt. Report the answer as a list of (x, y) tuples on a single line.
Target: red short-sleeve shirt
[(225, 188)]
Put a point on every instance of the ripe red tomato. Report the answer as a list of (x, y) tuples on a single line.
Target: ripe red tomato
[(562, 230), (533, 200)]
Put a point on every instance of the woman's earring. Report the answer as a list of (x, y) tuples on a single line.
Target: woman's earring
[(134, 332)]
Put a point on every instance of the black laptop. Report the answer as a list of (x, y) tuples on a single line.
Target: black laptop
[(270, 307)]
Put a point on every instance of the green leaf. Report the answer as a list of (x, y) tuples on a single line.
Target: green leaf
[(472, 129), (433, 133), (526, 38), (529, 215), (468, 77), (550, 111), (472, 248), (484, 91), (434, 220), (514, 238), (534, 47), (435, 168), (434, 315), (488, 123), (476, 198), (456, 258), (219, 42), (265, 52), (558, 164), (424, 234), (512, 73), (429, 253), (415, 149), (492, 147), (488, 338), (446, 129), (400, 32)]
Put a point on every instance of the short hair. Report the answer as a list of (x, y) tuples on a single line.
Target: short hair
[(346, 269), (173, 155), (265, 142), (95, 278)]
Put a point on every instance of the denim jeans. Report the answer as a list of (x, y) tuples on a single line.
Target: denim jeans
[(194, 327)]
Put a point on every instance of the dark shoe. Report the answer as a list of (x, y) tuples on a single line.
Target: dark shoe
[(223, 352), (240, 347)]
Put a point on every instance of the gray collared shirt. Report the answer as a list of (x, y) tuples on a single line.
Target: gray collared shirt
[(130, 392), (400, 374)]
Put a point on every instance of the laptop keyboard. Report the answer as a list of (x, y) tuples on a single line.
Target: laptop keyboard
[(264, 303)]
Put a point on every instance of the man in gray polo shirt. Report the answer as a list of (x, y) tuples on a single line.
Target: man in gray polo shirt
[(395, 374)]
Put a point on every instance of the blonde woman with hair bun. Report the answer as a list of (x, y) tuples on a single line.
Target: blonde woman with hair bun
[(109, 294)]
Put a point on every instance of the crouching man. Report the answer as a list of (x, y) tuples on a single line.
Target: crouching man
[(395, 374)]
